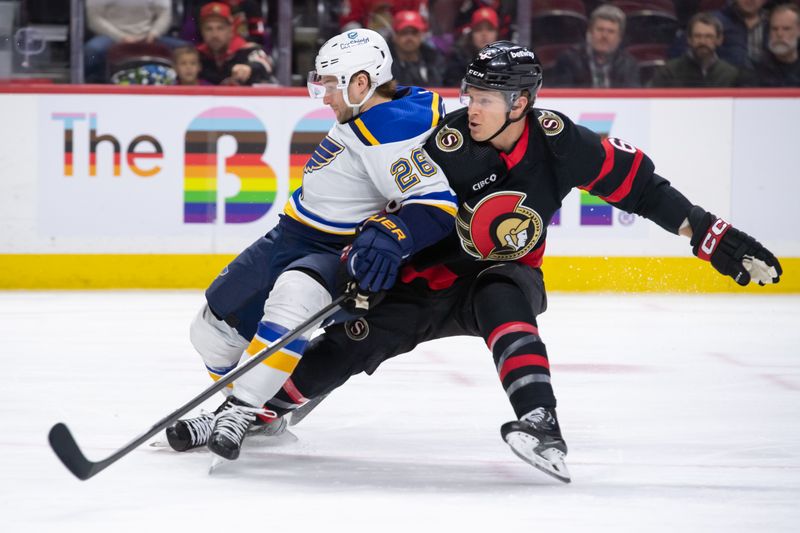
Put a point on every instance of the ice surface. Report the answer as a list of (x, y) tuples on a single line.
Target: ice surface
[(682, 413)]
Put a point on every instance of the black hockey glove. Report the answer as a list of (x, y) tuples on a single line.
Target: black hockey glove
[(732, 252), (382, 244)]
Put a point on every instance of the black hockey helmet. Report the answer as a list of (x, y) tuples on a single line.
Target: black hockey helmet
[(505, 66)]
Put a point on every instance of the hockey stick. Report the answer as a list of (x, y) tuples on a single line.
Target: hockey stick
[(65, 447)]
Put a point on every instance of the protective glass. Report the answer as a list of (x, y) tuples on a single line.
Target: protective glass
[(317, 88)]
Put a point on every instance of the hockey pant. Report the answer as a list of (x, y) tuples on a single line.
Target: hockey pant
[(500, 305)]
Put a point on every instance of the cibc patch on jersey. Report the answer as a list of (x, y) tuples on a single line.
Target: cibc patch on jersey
[(499, 227), (449, 139)]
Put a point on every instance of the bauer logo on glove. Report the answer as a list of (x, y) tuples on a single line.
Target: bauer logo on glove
[(387, 223), (382, 244)]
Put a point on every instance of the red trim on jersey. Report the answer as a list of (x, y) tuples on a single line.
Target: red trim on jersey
[(510, 327), (623, 190), (608, 164), (535, 258), (293, 393), (511, 160), (518, 361), (438, 277)]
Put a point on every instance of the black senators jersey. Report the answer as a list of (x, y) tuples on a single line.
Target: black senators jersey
[(506, 200)]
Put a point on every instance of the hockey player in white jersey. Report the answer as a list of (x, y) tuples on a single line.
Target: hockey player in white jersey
[(370, 158)]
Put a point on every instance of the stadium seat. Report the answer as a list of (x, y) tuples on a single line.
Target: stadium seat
[(653, 21), (558, 21), (548, 55), (710, 5), (649, 58)]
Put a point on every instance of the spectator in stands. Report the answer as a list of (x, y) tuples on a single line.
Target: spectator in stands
[(483, 30), (780, 65), (415, 61), (744, 31), (378, 15), (506, 14), (123, 22), (599, 62), (187, 66), (699, 66), (228, 59), (248, 19)]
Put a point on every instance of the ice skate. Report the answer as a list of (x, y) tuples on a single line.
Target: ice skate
[(536, 439), (191, 433), (231, 425)]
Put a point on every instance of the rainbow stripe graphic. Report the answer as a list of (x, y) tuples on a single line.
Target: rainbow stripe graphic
[(258, 181), (594, 211), (69, 120), (307, 135)]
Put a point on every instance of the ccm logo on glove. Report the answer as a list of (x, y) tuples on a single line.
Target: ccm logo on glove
[(731, 251), (712, 239)]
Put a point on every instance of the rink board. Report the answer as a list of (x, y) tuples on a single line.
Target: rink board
[(125, 188)]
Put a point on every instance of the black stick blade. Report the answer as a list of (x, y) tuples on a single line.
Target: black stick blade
[(63, 443)]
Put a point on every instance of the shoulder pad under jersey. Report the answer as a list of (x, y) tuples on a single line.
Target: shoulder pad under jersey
[(413, 112), (557, 128)]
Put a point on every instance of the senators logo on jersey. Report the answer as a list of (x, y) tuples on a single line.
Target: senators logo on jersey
[(499, 227)]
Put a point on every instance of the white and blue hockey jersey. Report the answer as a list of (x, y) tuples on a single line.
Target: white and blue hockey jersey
[(371, 160)]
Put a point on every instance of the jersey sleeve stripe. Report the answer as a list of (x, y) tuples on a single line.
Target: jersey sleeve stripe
[(441, 195), (624, 189), (447, 208), (608, 165), (443, 200), (435, 108)]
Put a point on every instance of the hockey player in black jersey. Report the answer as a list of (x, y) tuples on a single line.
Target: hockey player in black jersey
[(511, 165)]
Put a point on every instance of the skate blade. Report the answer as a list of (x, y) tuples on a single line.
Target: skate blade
[(163, 444), (216, 462), (523, 446), (266, 441)]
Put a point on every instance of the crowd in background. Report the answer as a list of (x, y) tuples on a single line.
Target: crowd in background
[(581, 43)]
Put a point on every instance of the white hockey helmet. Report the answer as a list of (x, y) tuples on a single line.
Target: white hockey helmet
[(345, 55)]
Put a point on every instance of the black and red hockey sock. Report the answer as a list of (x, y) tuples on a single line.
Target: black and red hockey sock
[(509, 328)]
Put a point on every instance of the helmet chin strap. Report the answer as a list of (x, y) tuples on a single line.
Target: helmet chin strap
[(506, 124), (357, 107)]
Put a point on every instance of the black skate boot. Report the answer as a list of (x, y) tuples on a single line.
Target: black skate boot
[(190, 433), (536, 439), (231, 424)]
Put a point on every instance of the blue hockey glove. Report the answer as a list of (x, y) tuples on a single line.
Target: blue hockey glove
[(732, 252), (377, 252)]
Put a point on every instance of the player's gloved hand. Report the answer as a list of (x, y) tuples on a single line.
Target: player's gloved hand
[(382, 244), (358, 302), (732, 252)]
